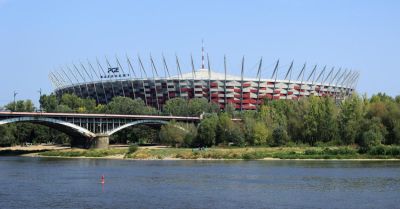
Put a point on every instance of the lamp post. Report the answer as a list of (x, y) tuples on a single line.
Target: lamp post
[(40, 96), (15, 104)]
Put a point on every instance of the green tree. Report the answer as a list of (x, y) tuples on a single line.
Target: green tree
[(176, 106), (261, 134), (279, 136), (207, 131), (6, 136), (177, 134), (311, 121), (327, 124), (225, 128), (21, 106), (370, 139), (197, 106), (350, 117), (48, 103), (125, 105)]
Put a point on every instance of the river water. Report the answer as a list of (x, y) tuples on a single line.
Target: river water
[(75, 183)]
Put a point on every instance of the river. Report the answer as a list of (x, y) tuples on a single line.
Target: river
[(27, 182)]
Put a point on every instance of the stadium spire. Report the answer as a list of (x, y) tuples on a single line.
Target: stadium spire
[(202, 54)]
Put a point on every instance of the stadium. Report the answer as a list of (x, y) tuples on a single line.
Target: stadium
[(102, 82)]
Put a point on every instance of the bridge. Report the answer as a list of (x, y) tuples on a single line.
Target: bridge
[(89, 130)]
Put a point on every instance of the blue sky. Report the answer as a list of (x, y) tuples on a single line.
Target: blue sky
[(38, 36)]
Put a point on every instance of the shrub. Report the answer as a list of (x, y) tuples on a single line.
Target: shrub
[(394, 150), (132, 148), (280, 136), (370, 139), (377, 150), (340, 151), (311, 152)]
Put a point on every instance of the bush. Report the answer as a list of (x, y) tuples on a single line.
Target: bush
[(280, 136), (132, 148), (394, 150), (377, 150), (370, 139), (340, 151), (311, 152), (385, 150)]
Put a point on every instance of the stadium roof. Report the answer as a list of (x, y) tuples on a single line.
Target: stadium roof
[(204, 74)]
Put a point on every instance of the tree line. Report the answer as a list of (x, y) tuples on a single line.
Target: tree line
[(358, 120)]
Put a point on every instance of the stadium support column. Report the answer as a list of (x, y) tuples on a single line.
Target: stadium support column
[(122, 86), (330, 82), (123, 74), (133, 76), (241, 86), (289, 72), (102, 69), (167, 75), (70, 81), (311, 74), (193, 76), (54, 81), (342, 88), (84, 80), (302, 79), (144, 72), (101, 80), (64, 81), (154, 71), (259, 81), (91, 79), (319, 89), (275, 73), (209, 79), (178, 68), (225, 99), (326, 78), (77, 81), (336, 84)]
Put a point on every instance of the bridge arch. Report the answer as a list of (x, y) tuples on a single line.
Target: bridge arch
[(66, 127), (144, 122)]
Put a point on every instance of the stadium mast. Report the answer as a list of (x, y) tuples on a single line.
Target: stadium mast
[(202, 54)]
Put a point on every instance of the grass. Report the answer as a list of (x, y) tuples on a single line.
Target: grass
[(253, 153), (249, 153), (84, 153)]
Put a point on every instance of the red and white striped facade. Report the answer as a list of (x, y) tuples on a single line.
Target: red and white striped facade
[(221, 88)]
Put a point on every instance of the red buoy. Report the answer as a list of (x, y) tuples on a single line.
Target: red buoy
[(102, 179)]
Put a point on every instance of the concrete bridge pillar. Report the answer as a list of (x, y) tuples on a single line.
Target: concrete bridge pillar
[(100, 142)]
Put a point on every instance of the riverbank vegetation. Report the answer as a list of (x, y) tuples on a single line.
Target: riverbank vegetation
[(84, 153), (368, 125), (235, 153)]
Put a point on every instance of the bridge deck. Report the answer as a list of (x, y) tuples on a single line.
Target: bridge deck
[(85, 115)]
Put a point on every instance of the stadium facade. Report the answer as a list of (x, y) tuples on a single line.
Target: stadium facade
[(103, 82)]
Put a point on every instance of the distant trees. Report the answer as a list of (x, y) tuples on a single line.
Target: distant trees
[(192, 107), (21, 106), (128, 106), (313, 120), (178, 134)]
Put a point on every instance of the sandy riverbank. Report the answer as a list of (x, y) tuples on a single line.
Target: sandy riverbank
[(120, 152), (34, 147)]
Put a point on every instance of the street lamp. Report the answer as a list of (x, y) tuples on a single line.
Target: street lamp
[(15, 104), (40, 96)]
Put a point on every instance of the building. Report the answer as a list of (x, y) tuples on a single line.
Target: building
[(103, 83)]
